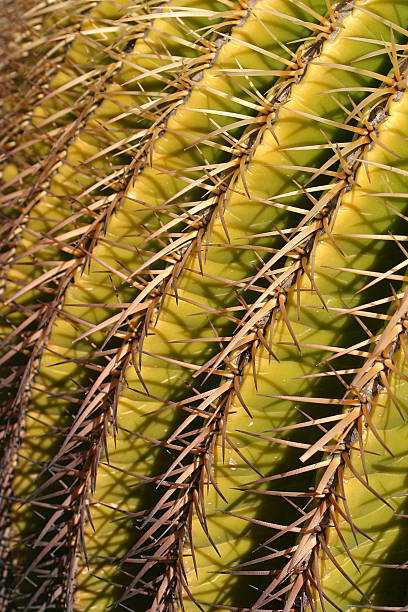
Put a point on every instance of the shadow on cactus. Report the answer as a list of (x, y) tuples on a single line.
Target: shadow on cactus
[(204, 306)]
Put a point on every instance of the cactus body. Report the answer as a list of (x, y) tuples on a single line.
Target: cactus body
[(204, 307)]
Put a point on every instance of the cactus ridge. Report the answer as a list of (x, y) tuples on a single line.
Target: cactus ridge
[(369, 381), (67, 89), (41, 323), (196, 294)]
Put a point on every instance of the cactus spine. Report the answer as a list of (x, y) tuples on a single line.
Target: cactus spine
[(204, 306)]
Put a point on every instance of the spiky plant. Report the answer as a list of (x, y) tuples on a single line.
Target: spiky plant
[(204, 361)]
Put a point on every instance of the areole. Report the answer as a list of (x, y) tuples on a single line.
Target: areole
[(204, 306)]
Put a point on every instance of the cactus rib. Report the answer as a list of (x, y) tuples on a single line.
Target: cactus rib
[(204, 307)]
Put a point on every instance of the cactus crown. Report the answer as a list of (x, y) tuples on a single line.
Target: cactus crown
[(204, 309)]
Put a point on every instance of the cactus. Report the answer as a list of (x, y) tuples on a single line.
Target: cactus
[(204, 306)]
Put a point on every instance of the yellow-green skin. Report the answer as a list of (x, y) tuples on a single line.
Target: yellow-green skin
[(183, 318), (84, 60), (362, 215)]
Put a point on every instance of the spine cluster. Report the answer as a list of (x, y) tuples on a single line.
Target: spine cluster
[(203, 282)]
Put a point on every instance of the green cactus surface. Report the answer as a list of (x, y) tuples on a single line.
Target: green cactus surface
[(204, 305)]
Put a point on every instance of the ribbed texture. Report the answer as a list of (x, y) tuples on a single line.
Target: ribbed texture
[(204, 310)]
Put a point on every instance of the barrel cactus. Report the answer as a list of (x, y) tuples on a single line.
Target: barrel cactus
[(204, 305)]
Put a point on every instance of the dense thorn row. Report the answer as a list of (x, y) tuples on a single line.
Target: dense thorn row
[(203, 213)]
